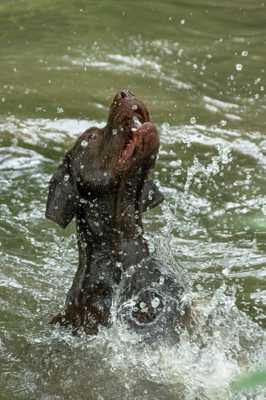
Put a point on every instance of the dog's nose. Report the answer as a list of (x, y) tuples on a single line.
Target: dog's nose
[(126, 93)]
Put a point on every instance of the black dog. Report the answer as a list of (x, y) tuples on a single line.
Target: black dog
[(103, 183)]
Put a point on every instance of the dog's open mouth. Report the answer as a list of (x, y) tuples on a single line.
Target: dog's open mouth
[(136, 136), (132, 139)]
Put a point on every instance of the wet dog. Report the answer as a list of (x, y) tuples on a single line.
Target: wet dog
[(103, 183)]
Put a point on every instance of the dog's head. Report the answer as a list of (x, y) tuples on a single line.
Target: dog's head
[(132, 134), (100, 158)]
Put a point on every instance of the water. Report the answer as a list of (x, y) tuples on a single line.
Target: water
[(200, 67)]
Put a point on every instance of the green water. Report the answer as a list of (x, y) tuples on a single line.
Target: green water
[(199, 65)]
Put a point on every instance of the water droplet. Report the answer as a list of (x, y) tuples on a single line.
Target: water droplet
[(193, 120), (59, 110), (66, 178), (161, 280), (134, 107), (155, 302), (244, 53), (150, 194), (84, 143), (239, 67), (114, 132), (182, 21), (83, 201)]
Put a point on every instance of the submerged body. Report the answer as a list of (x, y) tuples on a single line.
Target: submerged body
[(103, 183)]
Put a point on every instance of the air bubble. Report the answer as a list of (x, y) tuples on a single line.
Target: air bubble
[(193, 120), (239, 67)]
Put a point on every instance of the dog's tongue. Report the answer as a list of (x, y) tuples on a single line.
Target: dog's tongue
[(141, 133)]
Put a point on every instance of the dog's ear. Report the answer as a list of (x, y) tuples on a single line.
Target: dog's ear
[(151, 196), (63, 196)]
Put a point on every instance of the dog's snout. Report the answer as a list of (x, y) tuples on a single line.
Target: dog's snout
[(125, 93)]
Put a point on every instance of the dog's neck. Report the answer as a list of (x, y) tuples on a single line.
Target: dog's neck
[(112, 222)]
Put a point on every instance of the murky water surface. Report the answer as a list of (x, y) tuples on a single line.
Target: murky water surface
[(200, 67)]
